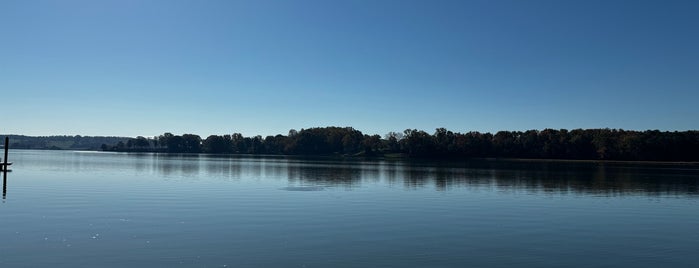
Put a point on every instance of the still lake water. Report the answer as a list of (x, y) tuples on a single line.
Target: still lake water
[(93, 209)]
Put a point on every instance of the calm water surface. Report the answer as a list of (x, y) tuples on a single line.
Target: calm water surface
[(91, 209)]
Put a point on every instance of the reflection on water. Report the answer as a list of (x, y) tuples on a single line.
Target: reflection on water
[(303, 188), (91, 209), (580, 177), (597, 178)]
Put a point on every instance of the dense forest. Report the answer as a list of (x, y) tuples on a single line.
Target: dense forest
[(61, 142), (583, 144)]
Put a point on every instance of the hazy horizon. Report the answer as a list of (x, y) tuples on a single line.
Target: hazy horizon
[(133, 68)]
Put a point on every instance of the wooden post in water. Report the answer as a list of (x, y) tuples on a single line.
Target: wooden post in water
[(7, 147), (7, 142)]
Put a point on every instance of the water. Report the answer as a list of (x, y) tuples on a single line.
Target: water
[(90, 209)]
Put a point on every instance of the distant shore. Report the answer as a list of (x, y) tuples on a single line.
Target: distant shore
[(544, 145)]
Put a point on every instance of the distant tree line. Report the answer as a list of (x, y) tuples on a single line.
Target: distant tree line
[(76, 142), (583, 144)]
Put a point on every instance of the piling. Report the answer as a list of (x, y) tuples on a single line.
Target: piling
[(7, 147)]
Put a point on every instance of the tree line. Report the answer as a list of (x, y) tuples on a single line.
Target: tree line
[(582, 144), (64, 142)]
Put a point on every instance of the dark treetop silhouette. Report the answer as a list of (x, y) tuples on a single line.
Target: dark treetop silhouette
[(583, 144)]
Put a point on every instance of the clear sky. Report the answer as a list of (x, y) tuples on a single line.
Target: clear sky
[(133, 68)]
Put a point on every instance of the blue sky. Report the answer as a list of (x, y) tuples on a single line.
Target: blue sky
[(263, 67)]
